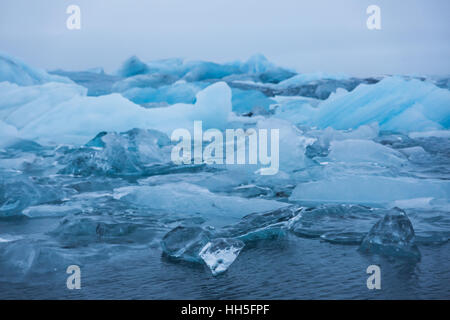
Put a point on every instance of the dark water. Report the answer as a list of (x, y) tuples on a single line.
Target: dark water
[(292, 268)]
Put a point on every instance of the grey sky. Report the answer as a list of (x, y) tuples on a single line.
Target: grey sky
[(316, 35)]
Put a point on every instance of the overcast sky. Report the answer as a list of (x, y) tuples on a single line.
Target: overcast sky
[(315, 35)]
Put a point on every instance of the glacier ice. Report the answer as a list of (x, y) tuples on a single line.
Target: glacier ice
[(62, 113), (245, 101), (178, 92), (220, 253), (21, 259), (18, 192), (392, 235), (78, 230), (256, 68), (218, 248), (263, 225), (370, 190), (128, 153), (16, 71), (133, 66), (218, 209), (306, 78), (86, 163), (8, 134), (343, 224), (424, 107), (364, 151), (96, 81), (185, 243)]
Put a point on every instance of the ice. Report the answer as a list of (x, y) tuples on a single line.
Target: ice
[(219, 247), (185, 243), (133, 66), (218, 209), (392, 235), (416, 154), (306, 78), (17, 192), (95, 80), (21, 259), (61, 113), (343, 224), (394, 103), (371, 190), (324, 138), (86, 170), (154, 80), (428, 134), (46, 210), (15, 71), (256, 68), (318, 85), (179, 92), (245, 101), (25, 105), (293, 143), (443, 82), (296, 110), (8, 134), (129, 153), (220, 253), (78, 230), (364, 151), (263, 70), (262, 225)]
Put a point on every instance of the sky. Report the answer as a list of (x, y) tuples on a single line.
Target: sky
[(308, 36)]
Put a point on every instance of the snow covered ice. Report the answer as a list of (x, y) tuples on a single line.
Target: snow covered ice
[(87, 175)]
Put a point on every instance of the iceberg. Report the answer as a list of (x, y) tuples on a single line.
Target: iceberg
[(257, 68), (178, 92), (62, 113), (305, 78), (246, 101), (185, 243), (129, 153), (392, 235), (96, 81), (133, 66), (16, 71), (220, 253), (394, 103), (219, 248)]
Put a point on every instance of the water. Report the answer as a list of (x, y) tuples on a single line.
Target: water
[(112, 224), (293, 268)]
